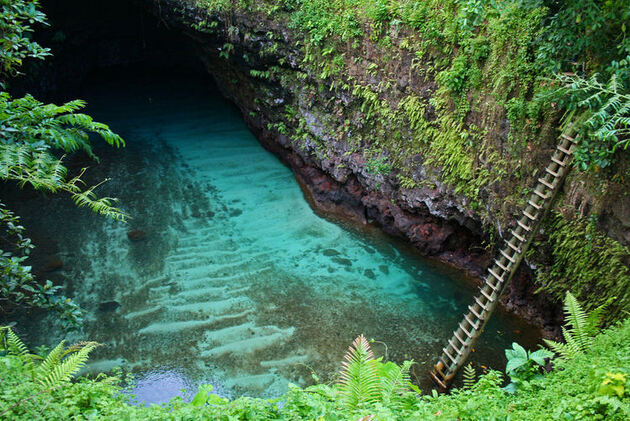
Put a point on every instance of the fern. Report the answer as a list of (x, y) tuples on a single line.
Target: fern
[(60, 365), (602, 111), (576, 317), (67, 368), (365, 380), (359, 382), (51, 361), (579, 330), (14, 345), (470, 376), (32, 131), (395, 380)]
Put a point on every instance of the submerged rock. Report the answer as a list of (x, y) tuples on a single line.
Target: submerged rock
[(136, 235), (331, 252), (108, 306)]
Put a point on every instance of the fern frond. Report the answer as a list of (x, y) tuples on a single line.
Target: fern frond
[(69, 366), (395, 379), (15, 346), (563, 350), (51, 361), (359, 381), (470, 376), (576, 317), (595, 318)]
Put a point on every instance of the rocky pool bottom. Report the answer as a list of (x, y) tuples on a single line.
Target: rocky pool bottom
[(224, 274)]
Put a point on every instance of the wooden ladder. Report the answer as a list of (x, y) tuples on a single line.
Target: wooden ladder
[(455, 353)]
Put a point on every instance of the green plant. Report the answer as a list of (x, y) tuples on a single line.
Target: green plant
[(378, 166), (582, 259), (16, 44), (593, 386), (614, 384), (33, 131), (602, 112), (470, 376), (579, 330), (34, 138), (364, 380), (205, 397), (524, 366), (58, 366)]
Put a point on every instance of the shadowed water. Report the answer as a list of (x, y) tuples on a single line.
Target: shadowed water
[(229, 277)]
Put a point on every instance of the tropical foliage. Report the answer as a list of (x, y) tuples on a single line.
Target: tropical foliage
[(524, 366), (593, 385), (32, 137), (51, 370), (580, 328), (365, 381)]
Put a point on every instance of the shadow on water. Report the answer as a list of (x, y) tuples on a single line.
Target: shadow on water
[(224, 274)]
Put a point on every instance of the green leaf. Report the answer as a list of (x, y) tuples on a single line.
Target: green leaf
[(202, 395)]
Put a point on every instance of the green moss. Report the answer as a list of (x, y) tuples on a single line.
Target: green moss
[(583, 260)]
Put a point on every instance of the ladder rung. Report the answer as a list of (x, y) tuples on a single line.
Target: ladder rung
[(494, 287), (527, 214), (472, 309), (542, 195), (549, 171), (534, 205), (507, 256), (522, 225), (513, 247), (473, 325), (437, 380), (561, 149), (449, 355), (567, 137), (480, 304), (557, 161), (465, 330), (499, 264), (450, 342), (485, 294), (546, 183), (459, 338), (521, 239), (496, 276)]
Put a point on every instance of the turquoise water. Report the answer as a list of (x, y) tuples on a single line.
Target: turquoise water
[(234, 281)]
